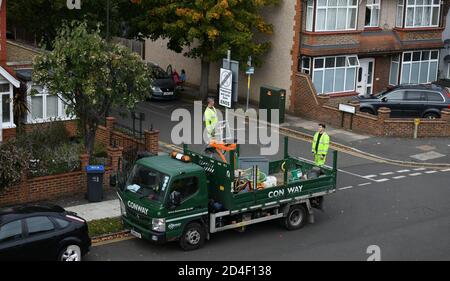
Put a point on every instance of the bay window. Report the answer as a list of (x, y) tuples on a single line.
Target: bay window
[(419, 67), (418, 13), (45, 106), (6, 105), (331, 15), (372, 13), (306, 65), (335, 74)]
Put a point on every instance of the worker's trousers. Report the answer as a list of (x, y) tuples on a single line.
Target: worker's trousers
[(319, 160)]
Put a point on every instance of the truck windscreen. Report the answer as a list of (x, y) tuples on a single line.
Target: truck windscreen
[(148, 183)]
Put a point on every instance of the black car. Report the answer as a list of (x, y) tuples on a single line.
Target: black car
[(42, 232), (164, 86), (410, 101)]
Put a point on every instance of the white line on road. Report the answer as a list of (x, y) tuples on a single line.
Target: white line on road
[(356, 175), (420, 169), (403, 171), (446, 170), (399, 177), (381, 180), (387, 173), (370, 176), (415, 174), (347, 187), (430, 172), (363, 184)]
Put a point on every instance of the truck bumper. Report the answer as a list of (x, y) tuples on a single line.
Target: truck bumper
[(150, 235)]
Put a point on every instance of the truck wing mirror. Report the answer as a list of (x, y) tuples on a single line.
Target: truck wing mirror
[(384, 99)]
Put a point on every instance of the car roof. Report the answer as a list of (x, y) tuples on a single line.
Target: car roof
[(16, 212), (430, 86)]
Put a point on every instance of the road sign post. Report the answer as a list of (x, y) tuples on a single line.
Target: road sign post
[(225, 90), (250, 72)]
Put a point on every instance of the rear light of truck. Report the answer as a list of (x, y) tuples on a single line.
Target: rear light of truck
[(180, 156)]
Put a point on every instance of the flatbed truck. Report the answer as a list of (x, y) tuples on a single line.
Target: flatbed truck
[(188, 196)]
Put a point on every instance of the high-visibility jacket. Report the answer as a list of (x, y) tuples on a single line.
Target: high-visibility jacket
[(324, 144), (210, 120)]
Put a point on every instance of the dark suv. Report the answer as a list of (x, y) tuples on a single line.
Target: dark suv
[(42, 232), (409, 101)]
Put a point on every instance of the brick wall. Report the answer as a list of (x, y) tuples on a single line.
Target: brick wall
[(9, 134), (382, 72), (312, 106)]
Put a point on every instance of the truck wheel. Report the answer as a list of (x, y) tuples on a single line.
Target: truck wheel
[(193, 237), (296, 217)]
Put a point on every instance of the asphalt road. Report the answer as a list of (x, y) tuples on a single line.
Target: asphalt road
[(403, 211)]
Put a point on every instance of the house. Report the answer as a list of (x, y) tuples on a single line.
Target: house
[(8, 82), (347, 47), (444, 68)]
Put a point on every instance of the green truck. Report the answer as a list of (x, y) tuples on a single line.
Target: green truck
[(188, 196)]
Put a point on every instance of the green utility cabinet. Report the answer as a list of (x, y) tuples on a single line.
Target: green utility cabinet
[(273, 98)]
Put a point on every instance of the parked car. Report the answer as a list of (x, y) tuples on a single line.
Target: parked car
[(409, 101), (42, 232), (164, 86)]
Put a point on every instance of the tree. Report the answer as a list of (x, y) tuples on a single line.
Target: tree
[(42, 18), (91, 76), (206, 29)]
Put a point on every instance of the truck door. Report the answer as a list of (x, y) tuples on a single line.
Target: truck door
[(187, 200)]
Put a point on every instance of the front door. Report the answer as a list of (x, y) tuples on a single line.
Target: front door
[(364, 83)]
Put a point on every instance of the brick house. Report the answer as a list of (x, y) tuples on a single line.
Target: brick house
[(364, 46), (444, 68)]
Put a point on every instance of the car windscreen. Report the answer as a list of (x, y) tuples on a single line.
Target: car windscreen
[(159, 73), (148, 183)]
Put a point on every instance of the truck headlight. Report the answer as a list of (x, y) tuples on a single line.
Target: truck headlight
[(159, 225), (123, 210)]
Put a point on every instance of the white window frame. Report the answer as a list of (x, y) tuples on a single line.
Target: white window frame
[(61, 115), (306, 70), (10, 124), (348, 8), (420, 65), (376, 4), (399, 12), (398, 68), (415, 8), (448, 70), (348, 65), (309, 15)]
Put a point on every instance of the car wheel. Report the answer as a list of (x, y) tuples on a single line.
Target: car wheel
[(367, 110), (193, 237), (431, 116), (296, 217), (70, 253)]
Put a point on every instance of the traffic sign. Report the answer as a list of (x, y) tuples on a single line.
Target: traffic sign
[(250, 71), (226, 84)]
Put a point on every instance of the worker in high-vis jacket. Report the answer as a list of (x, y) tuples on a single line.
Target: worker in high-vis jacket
[(210, 118), (320, 146)]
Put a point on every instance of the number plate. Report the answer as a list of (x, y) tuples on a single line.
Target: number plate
[(136, 234), (168, 93)]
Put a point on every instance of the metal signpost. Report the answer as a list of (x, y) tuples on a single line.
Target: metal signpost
[(250, 71)]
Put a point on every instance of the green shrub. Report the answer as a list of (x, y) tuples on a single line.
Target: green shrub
[(14, 161), (51, 134)]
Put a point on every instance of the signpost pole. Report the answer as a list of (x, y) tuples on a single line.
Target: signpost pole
[(249, 63)]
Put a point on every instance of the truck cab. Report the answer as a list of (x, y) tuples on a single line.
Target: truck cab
[(160, 195)]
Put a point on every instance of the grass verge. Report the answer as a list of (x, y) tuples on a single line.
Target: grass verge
[(105, 226)]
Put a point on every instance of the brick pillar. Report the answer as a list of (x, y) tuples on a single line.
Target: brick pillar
[(109, 129), (152, 141), (84, 162), (114, 154), (356, 104), (445, 115), (384, 113)]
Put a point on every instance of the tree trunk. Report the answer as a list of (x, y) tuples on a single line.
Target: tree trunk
[(89, 139), (204, 81)]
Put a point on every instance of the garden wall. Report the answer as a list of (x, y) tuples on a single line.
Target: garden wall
[(316, 107)]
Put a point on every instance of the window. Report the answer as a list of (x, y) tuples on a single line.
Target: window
[(448, 71), (62, 223), (433, 96), (415, 96), (11, 231), (372, 13), (306, 65), (186, 187), (44, 106), (419, 67), (6, 104), (333, 15), (335, 74), (395, 65), (38, 225), (419, 13), (309, 15), (397, 95)]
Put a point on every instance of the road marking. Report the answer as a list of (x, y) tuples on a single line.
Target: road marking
[(446, 170), (381, 180), (399, 177), (420, 169), (403, 171), (415, 174), (370, 176), (356, 175), (387, 173), (363, 184), (430, 172), (347, 187)]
